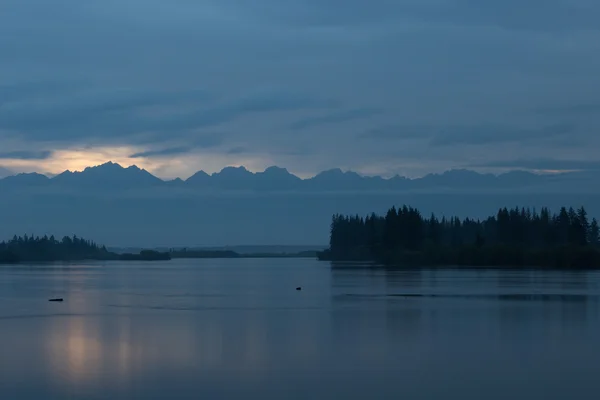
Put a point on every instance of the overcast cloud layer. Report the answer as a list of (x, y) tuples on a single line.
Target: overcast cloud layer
[(380, 86)]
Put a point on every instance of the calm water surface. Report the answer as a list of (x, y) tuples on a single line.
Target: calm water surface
[(230, 329)]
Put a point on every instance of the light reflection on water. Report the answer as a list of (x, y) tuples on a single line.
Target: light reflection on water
[(232, 328)]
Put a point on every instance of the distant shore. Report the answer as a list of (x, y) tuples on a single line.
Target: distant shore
[(24, 249), (28, 249), (234, 254), (151, 255)]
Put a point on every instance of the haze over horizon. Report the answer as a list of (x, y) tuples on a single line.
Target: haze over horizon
[(526, 167), (120, 206), (387, 88)]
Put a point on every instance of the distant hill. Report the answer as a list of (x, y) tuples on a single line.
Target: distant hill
[(113, 177), (20, 181), (4, 172)]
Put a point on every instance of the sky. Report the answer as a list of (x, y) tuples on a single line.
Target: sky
[(380, 87)]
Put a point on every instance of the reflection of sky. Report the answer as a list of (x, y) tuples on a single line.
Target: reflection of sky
[(232, 332)]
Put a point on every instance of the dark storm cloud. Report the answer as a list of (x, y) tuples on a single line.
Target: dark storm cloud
[(333, 118), (238, 150), (169, 151), (70, 114), (397, 132), (198, 142), (17, 91), (542, 15), (280, 75), (25, 155), (112, 116), (457, 135), (544, 164), (490, 134), (573, 110)]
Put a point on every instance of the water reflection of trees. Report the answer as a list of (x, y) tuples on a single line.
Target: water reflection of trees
[(390, 303)]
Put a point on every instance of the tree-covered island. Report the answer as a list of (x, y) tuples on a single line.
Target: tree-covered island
[(513, 237), (43, 249)]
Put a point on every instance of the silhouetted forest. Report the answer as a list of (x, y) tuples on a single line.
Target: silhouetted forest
[(29, 248), (513, 237), (41, 249)]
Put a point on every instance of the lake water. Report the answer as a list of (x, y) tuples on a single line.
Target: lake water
[(230, 329)]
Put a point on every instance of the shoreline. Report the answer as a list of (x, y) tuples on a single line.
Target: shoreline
[(152, 255)]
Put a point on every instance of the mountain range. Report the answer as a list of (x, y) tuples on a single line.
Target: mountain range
[(130, 207), (113, 177)]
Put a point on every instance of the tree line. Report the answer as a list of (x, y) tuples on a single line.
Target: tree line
[(516, 237), (30, 248), (42, 249)]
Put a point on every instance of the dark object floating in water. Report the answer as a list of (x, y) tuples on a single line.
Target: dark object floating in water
[(298, 288), (55, 300)]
